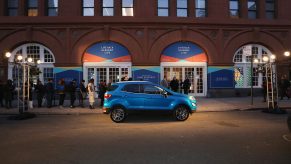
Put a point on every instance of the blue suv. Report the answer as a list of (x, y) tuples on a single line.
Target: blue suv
[(123, 97)]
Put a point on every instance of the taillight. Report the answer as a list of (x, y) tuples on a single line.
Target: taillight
[(107, 96)]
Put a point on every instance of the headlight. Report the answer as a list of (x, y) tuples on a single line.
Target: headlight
[(192, 98)]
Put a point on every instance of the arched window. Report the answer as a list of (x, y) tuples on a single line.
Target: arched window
[(36, 52), (242, 65)]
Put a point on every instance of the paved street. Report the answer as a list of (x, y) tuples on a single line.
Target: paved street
[(206, 137)]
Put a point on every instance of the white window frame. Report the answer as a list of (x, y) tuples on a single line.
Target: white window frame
[(244, 64), (42, 64)]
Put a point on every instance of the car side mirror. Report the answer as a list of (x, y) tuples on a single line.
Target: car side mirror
[(165, 93)]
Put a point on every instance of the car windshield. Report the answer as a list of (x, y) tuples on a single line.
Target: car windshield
[(112, 87)]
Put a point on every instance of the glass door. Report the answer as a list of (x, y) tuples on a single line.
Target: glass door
[(195, 75)]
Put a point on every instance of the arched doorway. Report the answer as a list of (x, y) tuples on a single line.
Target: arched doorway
[(106, 61), (36, 52), (185, 59), (242, 59)]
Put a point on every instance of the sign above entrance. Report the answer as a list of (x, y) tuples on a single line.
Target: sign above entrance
[(183, 52), (107, 52)]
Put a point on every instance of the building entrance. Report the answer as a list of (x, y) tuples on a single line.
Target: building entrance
[(196, 76)]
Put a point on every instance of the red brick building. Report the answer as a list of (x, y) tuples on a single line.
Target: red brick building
[(208, 41)]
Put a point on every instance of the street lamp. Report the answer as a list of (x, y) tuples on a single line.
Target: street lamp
[(25, 64), (267, 66)]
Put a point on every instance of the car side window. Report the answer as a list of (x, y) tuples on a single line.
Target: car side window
[(134, 88), (151, 89)]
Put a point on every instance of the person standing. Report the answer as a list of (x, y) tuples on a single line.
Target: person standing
[(40, 91), (264, 90), (82, 93), (164, 82), (284, 86), (61, 92), (72, 90), (8, 93), (91, 92), (186, 85), (1, 94), (174, 84), (102, 90), (49, 92)]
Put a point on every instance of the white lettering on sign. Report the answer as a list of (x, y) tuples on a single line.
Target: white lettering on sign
[(221, 79), (107, 49), (184, 49)]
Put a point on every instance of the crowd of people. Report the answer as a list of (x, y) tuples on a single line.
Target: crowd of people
[(175, 84), (46, 95)]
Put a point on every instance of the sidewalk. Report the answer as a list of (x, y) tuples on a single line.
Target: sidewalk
[(204, 105)]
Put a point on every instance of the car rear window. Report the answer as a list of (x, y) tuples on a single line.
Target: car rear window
[(112, 87)]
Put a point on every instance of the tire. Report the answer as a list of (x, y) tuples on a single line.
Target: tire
[(181, 113), (118, 114)]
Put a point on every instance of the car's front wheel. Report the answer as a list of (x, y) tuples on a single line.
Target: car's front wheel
[(118, 114), (181, 113)]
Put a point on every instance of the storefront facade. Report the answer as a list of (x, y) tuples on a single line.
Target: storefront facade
[(213, 52)]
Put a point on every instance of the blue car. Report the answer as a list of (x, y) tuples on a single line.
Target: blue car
[(124, 97)]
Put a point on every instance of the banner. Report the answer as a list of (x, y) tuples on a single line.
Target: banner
[(146, 73), (107, 52), (68, 74), (220, 77), (183, 52)]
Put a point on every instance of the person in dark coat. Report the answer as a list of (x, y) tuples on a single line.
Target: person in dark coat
[(1, 94), (40, 92), (284, 85), (72, 91), (186, 85), (8, 93), (102, 89), (174, 84), (82, 93), (49, 92)]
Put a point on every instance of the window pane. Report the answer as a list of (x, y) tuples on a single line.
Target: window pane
[(108, 3), (270, 6), (200, 3), (252, 14), (108, 12), (32, 3), (127, 3), (127, 11), (163, 3), (270, 15), (234, 14), (182, 4), (52, 3), (88, 12), (88, 3), (233, 5), (200, 13), (12, 3), (252, 5), (12, 12), (52, 12), (32, 12), (182, 12), (163, 12)]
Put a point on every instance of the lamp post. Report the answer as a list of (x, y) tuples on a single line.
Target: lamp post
[(25, 64), (267, 65)]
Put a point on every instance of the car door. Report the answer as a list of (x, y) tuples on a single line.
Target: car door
[(132, 96), (154, 98)]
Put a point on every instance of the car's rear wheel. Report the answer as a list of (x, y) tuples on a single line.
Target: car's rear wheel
[(118, 114), (181, 113)]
